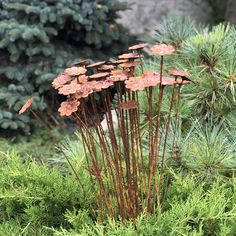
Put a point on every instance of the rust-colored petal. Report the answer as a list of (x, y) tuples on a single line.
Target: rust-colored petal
[(138, 46), (60, 80), (68, 107), (134, 84), (69, 88), (118, 75), (74, 71), (130, 64), (119, 72), (97, 86), (178, 73), (106, 67), (26, 106), (83, 79), (129, 56), (168, 81), (99, 75), (131, 104), (150, 78), (119, 61), (83, 91), (162, 49), (97, 64)]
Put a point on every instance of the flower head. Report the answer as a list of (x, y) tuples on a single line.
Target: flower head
[(97, 64), (148, 79), (162, 49), (69, 88), (68, 107), (83, 79), (178, 72), (60, 80), (74, 71), (138, 46), (130, 64), (118, 75), (26, 106), (106, 67), (99, 75), (129, 56), (119, 61)]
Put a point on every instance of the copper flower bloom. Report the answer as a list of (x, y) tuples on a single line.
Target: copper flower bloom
[(83, 79), (69, 88), (99, 75), (134, 83), (148, 79), (130, 64), (178, 73), (73, 71), (60, 80), (97, 86), (181, 73), (119, 61), (130, 56), (168, 81), (68, 107), (138, 46), (106, 67), (26, 106), (84, 91), (118, 75), (162, 49), (97, 64)]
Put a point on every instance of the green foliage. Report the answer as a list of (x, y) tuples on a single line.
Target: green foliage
[(34, 196), (193, 208), (40, 145), (175, 30), (39, 39), (209, 58)]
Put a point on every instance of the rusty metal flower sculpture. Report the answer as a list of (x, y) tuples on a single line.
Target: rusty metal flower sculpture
[(138, 47), (127, 56), (26, 106), (69, 88), (97, 64), (68, 107), (60, 80), (75, 71), (162, 50)]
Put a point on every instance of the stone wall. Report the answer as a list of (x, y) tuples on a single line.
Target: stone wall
[(145, 14)]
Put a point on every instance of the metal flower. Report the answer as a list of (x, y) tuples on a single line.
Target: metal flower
[(162, 49), (83, 79), (148, 79), (60, 80), (99, 75), (130, 56), (106, 67), (26, 106), (74, 71), (138, 46), (68, 107), (97, 64), (130, 64), (69, 88)]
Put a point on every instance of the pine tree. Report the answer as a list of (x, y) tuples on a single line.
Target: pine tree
[(38, 39)]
